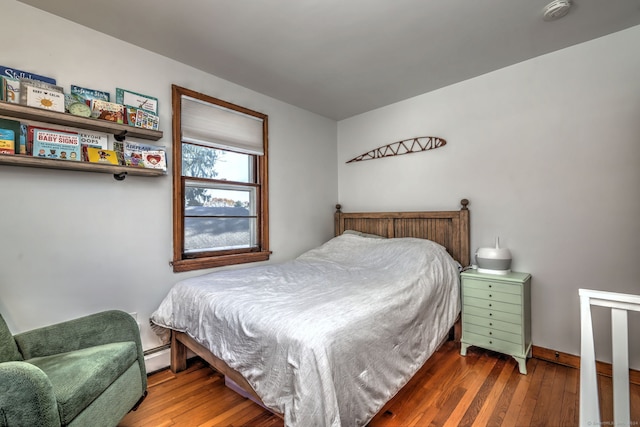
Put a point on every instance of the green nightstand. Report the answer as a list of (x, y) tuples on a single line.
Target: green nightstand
[(496, 314)]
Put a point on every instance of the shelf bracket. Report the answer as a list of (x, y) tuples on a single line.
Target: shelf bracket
[(120, 176), (120, 136)]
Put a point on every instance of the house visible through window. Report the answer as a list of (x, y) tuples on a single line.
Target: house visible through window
[(220, 182)]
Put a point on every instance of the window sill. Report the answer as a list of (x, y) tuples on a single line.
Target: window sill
[(218, 261)]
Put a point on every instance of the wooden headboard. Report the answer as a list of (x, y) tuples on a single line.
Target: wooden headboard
[(448, 228)]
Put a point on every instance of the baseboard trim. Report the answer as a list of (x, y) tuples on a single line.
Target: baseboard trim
[(573, 361)]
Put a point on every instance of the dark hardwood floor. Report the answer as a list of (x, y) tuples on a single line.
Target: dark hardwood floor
[(481, 389)]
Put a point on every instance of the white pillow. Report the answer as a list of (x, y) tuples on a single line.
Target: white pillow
[(361, 234)]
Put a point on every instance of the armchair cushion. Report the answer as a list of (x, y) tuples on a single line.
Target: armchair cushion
[(8, 349), (78, 377)]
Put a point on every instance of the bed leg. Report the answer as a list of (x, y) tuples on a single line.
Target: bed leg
[(178, 354), (455, 333)]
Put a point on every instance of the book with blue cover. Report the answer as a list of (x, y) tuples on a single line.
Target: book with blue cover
[(15, 74), (133, 152), (7, 144), (10, 78), (15, 127), (87, 94), (56, 145), (21, 142)]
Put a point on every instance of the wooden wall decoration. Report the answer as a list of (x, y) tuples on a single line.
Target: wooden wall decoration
[(407, 146)]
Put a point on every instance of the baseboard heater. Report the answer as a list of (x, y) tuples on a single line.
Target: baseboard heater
[(157, 358)]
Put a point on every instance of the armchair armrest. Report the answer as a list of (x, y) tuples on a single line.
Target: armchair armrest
[(26, 396), (88, 331)]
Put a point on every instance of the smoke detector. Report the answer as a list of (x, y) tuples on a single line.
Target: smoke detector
[(556, 10)]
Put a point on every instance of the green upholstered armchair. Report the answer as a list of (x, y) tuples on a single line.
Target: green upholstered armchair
[(83, 372)]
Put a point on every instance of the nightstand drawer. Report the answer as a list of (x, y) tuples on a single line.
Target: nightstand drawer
[(490, 294), (492, 305), (514, 328), (494, 286), (493, 314), (492, 343), (489, 332)]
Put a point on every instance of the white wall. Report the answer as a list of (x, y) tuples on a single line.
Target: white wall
[(73, 243), (547, 151)]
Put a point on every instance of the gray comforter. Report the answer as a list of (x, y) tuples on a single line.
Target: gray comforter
[(328, 338)]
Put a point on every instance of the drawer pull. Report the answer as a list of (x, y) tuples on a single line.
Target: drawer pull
[(490, 323), (490, 296), (490, 333), (490, 285), (490, 305), (490, 342), (490, 314)]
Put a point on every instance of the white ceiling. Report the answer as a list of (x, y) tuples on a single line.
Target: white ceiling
[(339, 58)]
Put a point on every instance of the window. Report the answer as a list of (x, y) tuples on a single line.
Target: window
[(220, 207)]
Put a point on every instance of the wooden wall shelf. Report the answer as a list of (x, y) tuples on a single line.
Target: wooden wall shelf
[(18, 111), (119, 172), (120, 132)]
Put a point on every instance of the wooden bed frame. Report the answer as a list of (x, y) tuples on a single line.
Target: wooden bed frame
[(448, 228)]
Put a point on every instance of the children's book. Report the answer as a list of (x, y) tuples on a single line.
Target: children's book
[(154, 159), (26, 83), (15, 128), (133, 152), (142, 118), (137, 100), (90, 94), (98, 155), (16, 74), (11, 90), (42, 98), (107, 111), (7, 142), (56, 145), (21, 148), (30, 134), (94, 139)]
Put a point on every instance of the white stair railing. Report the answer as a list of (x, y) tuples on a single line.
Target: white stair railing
[(620, 304)]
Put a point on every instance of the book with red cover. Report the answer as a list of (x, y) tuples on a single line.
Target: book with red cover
[(30, 132)]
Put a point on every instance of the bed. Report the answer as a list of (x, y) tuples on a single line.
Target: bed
[(328, 338)]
